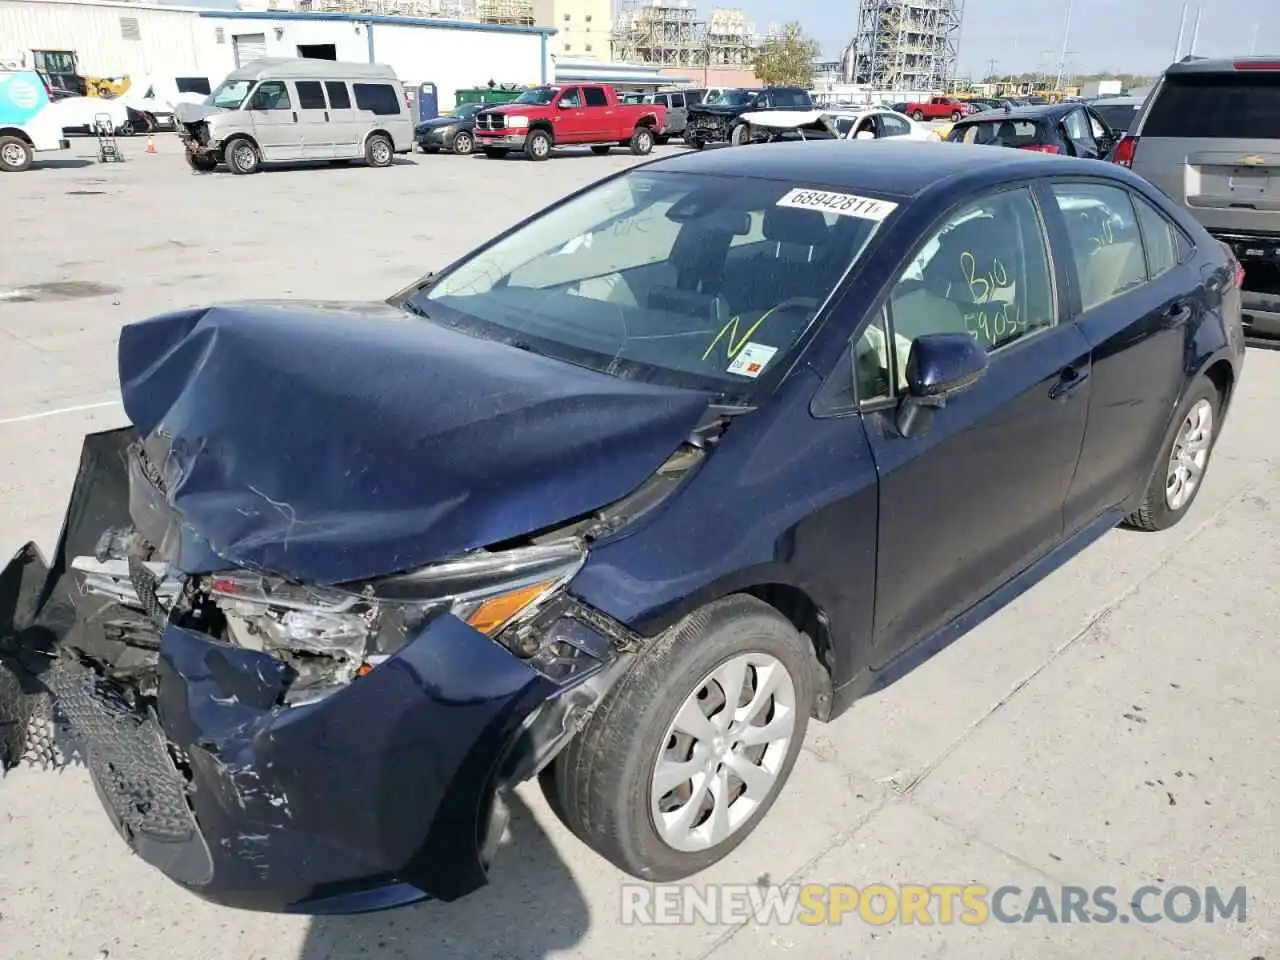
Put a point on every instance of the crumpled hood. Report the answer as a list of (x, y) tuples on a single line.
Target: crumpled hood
[(185, 112), (336, 442)]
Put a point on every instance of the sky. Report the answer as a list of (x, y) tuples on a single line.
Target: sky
[(1131, 36)]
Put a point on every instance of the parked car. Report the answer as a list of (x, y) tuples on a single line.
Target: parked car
[(28, 122), (675, 102), (1118, 113), (289, 109), (874, 123), (1209, 137), (939, 108), (350, 613), (1073, 129), (454, 132), (543, 118), (719, 120)]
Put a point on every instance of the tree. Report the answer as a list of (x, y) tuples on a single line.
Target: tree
[(786, 60)]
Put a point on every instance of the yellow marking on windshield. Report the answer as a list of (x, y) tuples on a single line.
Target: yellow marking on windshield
[(730, 330)]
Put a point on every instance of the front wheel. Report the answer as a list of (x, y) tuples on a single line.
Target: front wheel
[(201, 162), (739, 136), (642, 141), (242, 156), (15, 155), (686, 755), (463, 144), (1182, 461), (538, 145), (697, 143), (379, 152)]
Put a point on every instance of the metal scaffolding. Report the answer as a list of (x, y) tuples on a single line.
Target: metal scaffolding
[(909, 45), (514, 12), (671, 34)]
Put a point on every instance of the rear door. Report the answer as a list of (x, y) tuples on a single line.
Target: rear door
[(315, 127), (1211, 141), (344, 122)]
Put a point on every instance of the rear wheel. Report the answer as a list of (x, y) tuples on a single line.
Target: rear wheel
[(538, 145), (955, 117), (1182, 461), (642, 141), (686, 755), (15, 154), (917, 115), (378, 151), (242, 156)]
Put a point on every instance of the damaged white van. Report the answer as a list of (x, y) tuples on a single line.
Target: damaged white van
[(287, 110)]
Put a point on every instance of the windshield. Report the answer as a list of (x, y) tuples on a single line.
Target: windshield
[(468, 110), (732, 98), (1119, 117), (229, 94), (539, 95), (674, 279)]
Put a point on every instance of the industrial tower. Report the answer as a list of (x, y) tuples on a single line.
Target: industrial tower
[(908, 45), (670, 33)]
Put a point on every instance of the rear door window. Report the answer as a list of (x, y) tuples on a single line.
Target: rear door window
[(1241, 105), (378, 98), (1105, 242), (595, 97), (310, 95), (1160, 238)]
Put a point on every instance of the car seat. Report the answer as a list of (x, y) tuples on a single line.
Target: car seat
[(794, 261)]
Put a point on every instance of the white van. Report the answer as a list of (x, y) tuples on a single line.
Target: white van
[(285, 110), (27, 123)]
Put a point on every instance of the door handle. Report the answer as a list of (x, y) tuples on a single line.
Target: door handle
[(295, 116), (326, 116), (1069, 381)]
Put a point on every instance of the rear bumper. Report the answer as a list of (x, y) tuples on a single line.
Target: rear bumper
[(381, 793)]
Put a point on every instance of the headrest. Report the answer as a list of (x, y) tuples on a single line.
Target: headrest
[(1007, 131), (807, 228)]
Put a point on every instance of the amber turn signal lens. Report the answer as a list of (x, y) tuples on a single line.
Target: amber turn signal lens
[(494, 613)]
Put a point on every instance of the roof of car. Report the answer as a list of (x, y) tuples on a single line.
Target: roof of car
[(287, 68), (889, 167), (1223, 65), (1117, 102), (1040, 111)]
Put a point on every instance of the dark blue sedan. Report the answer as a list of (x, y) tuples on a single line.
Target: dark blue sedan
[(622, 500)]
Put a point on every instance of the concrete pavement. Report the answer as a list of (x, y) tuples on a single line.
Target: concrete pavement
[(1117, 725)]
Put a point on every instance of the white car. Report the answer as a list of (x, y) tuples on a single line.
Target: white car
[(871, 123)]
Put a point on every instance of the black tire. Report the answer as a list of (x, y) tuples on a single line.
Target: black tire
[(600, 149), (662, 139), (202, 163), (697, 143), (15, 155), (495, 153), (149, 124), (642, 141), (379, 151), (1154, 512), (955, 116), (917, 115), (126, 130), (738, 136), (464, 144), (242, 156), (600, 785), (537, 146)]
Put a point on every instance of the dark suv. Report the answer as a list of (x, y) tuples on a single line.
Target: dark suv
[(1209, 137), (720, 119)]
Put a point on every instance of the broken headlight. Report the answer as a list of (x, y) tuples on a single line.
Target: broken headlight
[(333, 634)]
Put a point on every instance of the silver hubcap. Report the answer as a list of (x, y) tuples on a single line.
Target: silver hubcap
[(1190, 454), (462, 144), (381, 152), (539, 146), (722, 754), (244, 158), (644, 141), (13, 155)]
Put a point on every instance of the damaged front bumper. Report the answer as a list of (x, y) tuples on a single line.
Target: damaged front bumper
[(383, 792)]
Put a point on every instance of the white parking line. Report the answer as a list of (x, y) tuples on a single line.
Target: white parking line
[(53, 413)]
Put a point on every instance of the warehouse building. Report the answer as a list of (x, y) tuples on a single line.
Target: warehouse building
[(111, 39)]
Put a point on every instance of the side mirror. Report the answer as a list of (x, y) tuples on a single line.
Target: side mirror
[(562, 105), (939, 366)]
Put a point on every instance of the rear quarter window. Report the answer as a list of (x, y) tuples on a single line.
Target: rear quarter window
[(1241, 105), (378, 98)]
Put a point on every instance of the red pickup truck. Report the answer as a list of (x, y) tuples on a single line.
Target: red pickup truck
[(940, 108), (568, 115)]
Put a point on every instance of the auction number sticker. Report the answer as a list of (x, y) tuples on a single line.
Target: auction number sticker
[(840, 204), (751, 359)]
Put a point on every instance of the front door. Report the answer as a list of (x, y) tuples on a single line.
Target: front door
[(315, 125), (275, 121), (570, 118), (597, 114), (979, 496)]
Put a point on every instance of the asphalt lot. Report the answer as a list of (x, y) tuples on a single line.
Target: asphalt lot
[(1118, 725)]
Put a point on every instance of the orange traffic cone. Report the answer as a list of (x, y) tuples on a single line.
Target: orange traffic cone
[(151, 144)]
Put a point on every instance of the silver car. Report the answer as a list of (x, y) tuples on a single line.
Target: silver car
[(1209, 137)]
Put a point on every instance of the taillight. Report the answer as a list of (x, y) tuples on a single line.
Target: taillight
[(1257, 64), (1041, 148), (1231, 255), (1125, 150)]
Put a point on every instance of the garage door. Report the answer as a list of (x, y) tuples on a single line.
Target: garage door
[(249, 47)]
